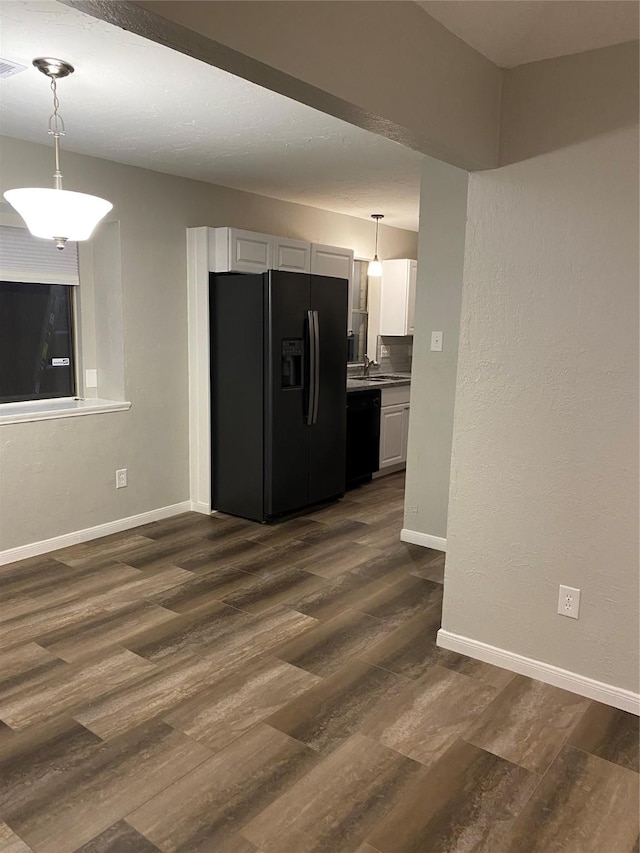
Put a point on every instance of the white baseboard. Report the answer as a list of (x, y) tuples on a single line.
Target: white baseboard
[(608, 694), (390, 469), (424, 539), (34, 549), (201, 506)]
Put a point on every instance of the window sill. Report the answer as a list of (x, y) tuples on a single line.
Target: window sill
[(64, 407)]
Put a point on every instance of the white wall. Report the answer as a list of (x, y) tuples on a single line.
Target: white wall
[(443, 213), (544, 484), (58, 476)]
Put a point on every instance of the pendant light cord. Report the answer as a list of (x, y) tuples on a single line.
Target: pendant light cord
[(56, 129)]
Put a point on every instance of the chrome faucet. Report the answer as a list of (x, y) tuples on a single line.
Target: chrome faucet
[(366, 365)]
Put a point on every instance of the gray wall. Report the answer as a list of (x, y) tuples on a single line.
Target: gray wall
[(544, 484), (443, 213), (58, 476), (396, 70)]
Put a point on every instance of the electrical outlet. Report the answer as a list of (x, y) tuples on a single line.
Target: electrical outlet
[(436, 341), (121, 478), (384, 351), (569, 602)]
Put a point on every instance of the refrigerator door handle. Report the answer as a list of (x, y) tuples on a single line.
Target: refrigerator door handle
[(312, 366), (316, 365)]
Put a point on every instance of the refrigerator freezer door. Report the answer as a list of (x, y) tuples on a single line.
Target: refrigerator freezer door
[(327, 434), (286, 458)]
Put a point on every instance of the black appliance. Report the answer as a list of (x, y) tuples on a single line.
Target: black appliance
[(363, 435), (278, 391)]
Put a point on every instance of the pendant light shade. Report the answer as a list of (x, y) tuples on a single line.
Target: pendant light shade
[(54, 213), (375, 266), (58, 214)]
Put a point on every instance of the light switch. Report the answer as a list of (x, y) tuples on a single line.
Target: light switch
[(436, 341)]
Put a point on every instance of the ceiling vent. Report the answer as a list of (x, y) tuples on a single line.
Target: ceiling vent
[(9, 68)]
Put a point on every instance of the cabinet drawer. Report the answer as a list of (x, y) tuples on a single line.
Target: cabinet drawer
[(396, 395)]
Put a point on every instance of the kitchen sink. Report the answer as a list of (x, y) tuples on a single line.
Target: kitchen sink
[(377, 377)]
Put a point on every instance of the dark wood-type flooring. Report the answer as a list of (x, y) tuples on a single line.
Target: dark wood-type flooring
[(214, 685)]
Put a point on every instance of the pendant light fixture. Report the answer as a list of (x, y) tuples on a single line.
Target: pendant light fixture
[(375, 267), (57, 214)]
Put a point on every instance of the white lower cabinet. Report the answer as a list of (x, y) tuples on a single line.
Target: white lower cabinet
[(394, 426)]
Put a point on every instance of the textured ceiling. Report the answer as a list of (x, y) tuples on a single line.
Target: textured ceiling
[(136, 102), (512, 32)]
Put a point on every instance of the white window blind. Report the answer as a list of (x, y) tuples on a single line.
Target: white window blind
[(24, 257)]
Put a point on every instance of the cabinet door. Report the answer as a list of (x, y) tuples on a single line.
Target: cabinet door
[(394, 434), (291, 255), (393, 448), (332, 261), (411, 297), (405, 431), (394, 292), (249, 251)]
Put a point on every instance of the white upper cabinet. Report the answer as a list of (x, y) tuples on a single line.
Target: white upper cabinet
[(235, 250), (291, 255), (332, 261), (398, 297), (411, 297)]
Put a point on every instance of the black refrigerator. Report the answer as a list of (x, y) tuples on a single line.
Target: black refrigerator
[(278, 391)]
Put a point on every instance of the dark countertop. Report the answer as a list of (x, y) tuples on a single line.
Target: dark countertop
[(356, 384)]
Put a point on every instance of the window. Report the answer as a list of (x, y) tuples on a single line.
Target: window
[(36, 342), (92, 317), (357, 336), (37, 349)]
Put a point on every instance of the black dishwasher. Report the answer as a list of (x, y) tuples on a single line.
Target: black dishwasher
[(363, 435)]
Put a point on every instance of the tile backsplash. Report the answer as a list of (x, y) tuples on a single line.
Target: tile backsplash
[(397, 361), (399, 358)]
